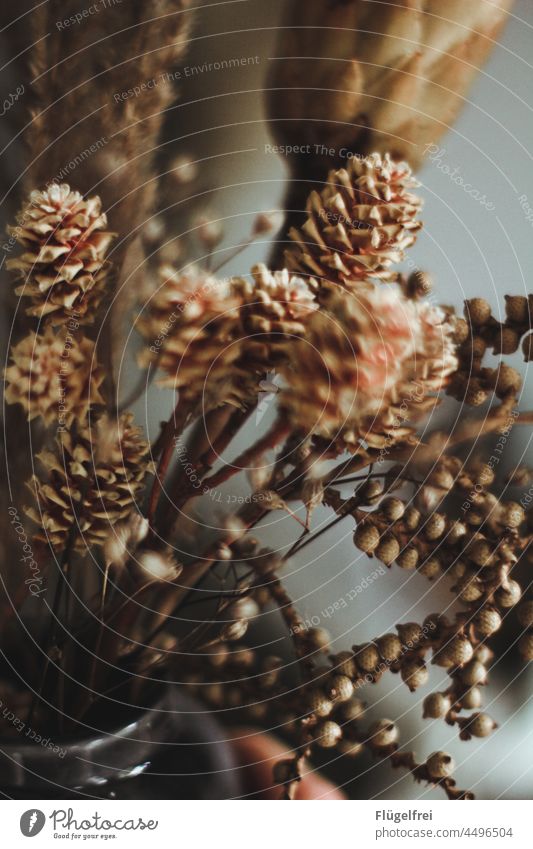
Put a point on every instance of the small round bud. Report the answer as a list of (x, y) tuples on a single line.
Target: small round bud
[(430, 567), (383, 734), (410, 633), (455, 652), (343, 664), (435, 526), (461, 331), (508, 380), (266, 222), (243, 608), (442, 479), (456, 532), (513, 514), (350, 748), (469, 588), (352, 710), (474, 673), (436, 705), (366, 538), (457, 569), (516, 309), (477, 311), (481, 552), (328, 734), (389, 647), (509, 595), (392, 508), (507, 342), (411, 518), (414, 673), (483, 654), (317, 639), (525, 614), (319, 704), (339, 688), (209, 232), (370, 491), (481, 725), (487, 621), (367, 657), (440, 765), (525, 645), (408, 558), (472, 699), (419, 284), (388, 549)]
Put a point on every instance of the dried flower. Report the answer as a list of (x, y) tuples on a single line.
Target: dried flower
[(65, 243), (54, 376), (359, 225), (91, 484)]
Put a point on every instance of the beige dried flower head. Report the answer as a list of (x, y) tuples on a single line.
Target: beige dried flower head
[(92, 483), (54, 375), (370, 352), (360, 223), (63, 264), (191, 327)]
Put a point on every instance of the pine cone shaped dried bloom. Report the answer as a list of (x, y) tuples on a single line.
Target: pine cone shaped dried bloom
[(363, 357), (93, 482), (55, 376), (360, 223), (192, 327), (65, 243)]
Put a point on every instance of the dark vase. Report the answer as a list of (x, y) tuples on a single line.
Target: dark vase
[(171, 750)]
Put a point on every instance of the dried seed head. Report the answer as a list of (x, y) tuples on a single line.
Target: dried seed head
[(509, 595), (411, 518), (487, 621), (352, 710), (390, 647), (469, 588), (440, 765), (410, 633), (339, 688), (477, 311), (367, 657), (430, 567), (516, 308), (474, 673), (388, 549), (436, 705), (525, 614), (343, 663), (366, 537), (419, 284), (455, 652), (481, 725), (392, 508), (370, 491), (319, 704), (327, 734), (435, 526), (472, 699), (233, 631), (159, 566), (408, 558), (383, 733), (513, 514), (317, 639), (483, 654), (508, 380), (414, 673), (481, 552)]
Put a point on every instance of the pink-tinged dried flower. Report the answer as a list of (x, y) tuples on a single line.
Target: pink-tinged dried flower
[(192, 330), (359, 225), (54, 375), (65, 244), (92, 483), (370, 354)]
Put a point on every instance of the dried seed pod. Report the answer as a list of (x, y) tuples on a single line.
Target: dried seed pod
[(527, 347), (435, 526), (414, 673), (366, 537), (513, 514), (525, 614), (410, 633), (317, 639), (392, 508), (440, 765), (389, 647), (455, 652), (477, 311), (487, 621), (516, 308), (344, 664), (430, 567), (388, 549), (327, 734), (436, 705), (481, 725), (367, 657), (411, 518), (472, 699), (508, 596), (352, 710), (469, 588), (408, 558), (383, 734), (319, 704), (339, 688), (350, 748), (474, 673), (233, 631), (508, 380), (481, 552)]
